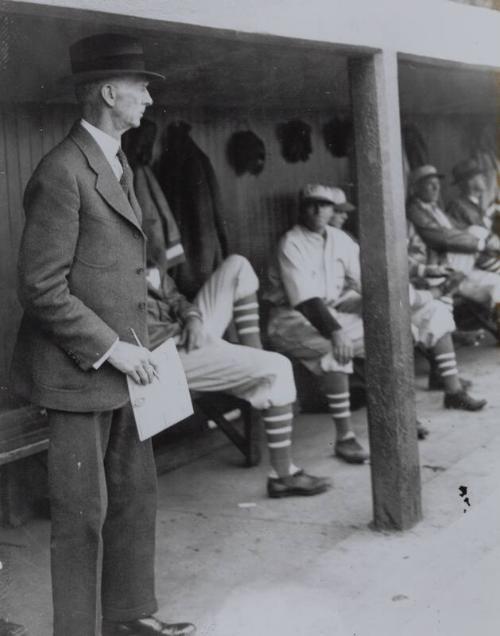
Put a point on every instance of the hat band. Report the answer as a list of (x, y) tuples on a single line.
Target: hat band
[(130, 62)]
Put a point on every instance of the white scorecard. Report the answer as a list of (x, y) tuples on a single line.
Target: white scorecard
[(166, 400)]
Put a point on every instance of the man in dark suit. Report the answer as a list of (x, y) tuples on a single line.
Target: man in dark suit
[(84, 291)]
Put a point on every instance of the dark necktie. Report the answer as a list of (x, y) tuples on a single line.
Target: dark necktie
[(127, 183), (127, 178)]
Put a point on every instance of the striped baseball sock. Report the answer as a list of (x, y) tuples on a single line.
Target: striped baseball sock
[(278, 423), (443, 354), (336, 387), (246, 320)]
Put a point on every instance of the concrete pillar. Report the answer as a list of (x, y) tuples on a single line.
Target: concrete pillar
[(384, 265)]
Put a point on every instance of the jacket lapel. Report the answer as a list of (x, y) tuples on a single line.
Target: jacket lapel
[(107, 184)]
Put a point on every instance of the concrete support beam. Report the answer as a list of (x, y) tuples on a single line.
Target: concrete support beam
[(384, 265)]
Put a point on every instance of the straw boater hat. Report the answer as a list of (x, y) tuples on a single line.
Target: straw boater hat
[(424, 172), (329, 194), (108, 55)]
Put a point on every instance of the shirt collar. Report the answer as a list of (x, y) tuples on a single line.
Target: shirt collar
[(429, 206), (109, 145)]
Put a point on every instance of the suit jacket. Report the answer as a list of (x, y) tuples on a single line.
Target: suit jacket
[(81, 279), (464, 213), (439, 239)]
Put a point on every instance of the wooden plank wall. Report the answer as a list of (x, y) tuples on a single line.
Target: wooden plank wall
[(27, 132), (258, 209)]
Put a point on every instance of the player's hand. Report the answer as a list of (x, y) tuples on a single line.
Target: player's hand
[(192, 336), (343, 349), (136, 362), (437, 271)]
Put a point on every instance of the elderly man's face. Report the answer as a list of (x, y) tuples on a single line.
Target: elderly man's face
[(316, 215), (131, 100), (475, 186), (428, 189)]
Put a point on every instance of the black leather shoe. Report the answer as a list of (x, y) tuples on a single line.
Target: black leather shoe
[(351, 451), (463, 401), (300, 484), (149, 626)]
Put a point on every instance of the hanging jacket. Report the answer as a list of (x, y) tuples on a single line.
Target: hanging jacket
[(190, 186), (164, 247)]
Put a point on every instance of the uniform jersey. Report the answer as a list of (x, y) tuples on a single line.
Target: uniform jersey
[(309, 265)]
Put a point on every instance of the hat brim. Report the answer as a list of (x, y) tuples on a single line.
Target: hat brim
[(438, 175), (318, 198), (469, 175), (90, 76), (345, 207)]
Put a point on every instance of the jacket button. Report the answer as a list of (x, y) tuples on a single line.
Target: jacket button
[(137, 234), (142, 305), (140, 270)]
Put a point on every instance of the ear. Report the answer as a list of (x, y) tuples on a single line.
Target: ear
[(108, 93)]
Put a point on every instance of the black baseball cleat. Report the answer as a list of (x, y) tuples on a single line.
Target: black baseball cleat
[(299, 485), (463, 401), (351, 451)]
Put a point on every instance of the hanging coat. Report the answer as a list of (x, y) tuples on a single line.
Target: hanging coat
[(190, 186), (164, 247)]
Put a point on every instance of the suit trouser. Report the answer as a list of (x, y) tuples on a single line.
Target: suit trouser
[(102, 484)]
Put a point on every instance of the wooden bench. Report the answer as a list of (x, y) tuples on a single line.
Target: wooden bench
[(24, 435)]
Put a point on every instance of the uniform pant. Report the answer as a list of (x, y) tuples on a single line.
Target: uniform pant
[(431, 318), (481, 287), (264, 378), (102, 483), (291, 333)]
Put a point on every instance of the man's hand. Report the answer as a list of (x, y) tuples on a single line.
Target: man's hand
[(437, 271), (343, 349), (136, 362), (192, 336)]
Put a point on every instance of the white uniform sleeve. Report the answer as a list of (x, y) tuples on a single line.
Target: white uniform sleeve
[(296, 274), (353, 270)]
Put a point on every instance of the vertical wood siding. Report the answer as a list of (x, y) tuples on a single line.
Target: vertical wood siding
[(27, 132)]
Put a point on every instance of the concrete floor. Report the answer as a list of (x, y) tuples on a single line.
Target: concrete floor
[(239, 564)]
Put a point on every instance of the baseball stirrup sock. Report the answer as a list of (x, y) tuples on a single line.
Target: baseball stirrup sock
[(246, 320), (339, 404), (278, 423), (448, 371)]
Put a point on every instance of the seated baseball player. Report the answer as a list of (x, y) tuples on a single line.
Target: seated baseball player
[(450, 246), (432, 322), (432, 326), (315, 296), (263, 378), (470, 209)]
